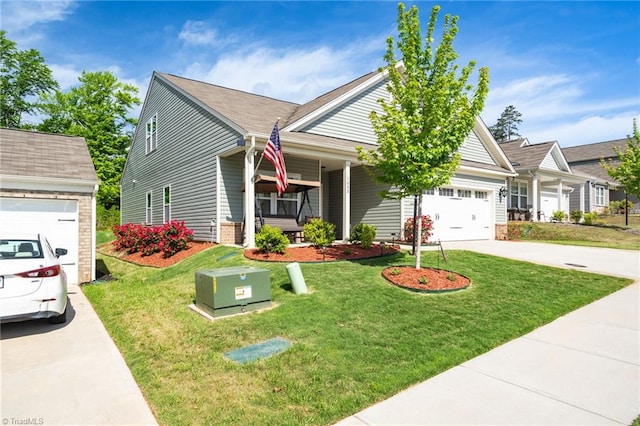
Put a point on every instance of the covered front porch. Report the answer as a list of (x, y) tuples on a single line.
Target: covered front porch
[(536, 195)]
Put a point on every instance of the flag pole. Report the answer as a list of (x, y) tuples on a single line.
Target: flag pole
[(255, 172)]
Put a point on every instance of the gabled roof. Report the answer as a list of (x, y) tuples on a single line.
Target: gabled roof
[(524, 155), (45, 155), (593, 151), (253, 113)]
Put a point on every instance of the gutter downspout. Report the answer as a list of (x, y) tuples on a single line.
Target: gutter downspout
[(94, 230)]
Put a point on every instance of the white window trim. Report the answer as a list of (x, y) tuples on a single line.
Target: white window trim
[(151, 136), (518, 184), (273, 196), (599, 199), (148, 207), (165, 204)]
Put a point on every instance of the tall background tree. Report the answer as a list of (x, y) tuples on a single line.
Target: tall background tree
[(23, 77), (627, 171), (97, 110), (506, 128), (431, 111)]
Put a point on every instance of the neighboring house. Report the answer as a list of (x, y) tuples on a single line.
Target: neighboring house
[(544, 182), (602, 188), (196, 150), (48, 185)]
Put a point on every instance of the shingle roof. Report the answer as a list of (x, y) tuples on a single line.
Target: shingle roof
[(45, 155), (593, 151), (528, 156), (254, 113)]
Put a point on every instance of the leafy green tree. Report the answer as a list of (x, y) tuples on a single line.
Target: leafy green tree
[(506, 128), (627, 171), (431, 110), (96, 110), (23, 76)]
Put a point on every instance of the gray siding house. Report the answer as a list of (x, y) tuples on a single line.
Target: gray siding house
[(600, 189), (545, 182), (198, 147)]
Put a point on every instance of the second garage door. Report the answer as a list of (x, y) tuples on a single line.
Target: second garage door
[(458, 214), (57, 219)]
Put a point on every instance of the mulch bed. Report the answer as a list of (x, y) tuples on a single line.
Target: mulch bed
[(155, 260), (331, 253), (426, 280)]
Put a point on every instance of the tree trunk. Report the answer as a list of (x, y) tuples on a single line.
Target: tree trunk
[(417, 236)]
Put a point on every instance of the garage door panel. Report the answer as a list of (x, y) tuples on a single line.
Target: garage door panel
[(57, 219), (458, 218)]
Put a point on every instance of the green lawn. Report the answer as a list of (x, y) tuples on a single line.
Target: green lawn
[(356, 339), (608, 233)]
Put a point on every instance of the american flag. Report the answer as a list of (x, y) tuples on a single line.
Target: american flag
[(273, 153)]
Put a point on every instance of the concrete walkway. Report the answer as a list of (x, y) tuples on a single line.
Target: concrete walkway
[(582, 369), (68, 374)]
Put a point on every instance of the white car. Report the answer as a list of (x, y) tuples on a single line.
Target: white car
[(33, 284)]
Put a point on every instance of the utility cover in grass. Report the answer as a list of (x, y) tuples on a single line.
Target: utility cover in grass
[(259, 350)]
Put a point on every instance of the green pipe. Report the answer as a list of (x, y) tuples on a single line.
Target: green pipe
[(297, 280)]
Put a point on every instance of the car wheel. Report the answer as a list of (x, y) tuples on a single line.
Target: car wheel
[(60, 319)]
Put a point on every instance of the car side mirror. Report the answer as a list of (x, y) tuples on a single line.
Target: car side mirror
[(60, 252)]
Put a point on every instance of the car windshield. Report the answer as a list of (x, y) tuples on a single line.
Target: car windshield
[(20, 249)]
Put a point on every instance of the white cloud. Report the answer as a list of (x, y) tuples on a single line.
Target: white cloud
[(587, 130), (294, 75), (198, 33), (20, 16)]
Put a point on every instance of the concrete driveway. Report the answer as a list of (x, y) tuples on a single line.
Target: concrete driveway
[(68, 374), (623, 263)]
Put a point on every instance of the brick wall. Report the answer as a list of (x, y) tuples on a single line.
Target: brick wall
[(501, 231), (230, 233), (85, 226)]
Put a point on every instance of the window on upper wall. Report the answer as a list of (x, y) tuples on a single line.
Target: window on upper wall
[(152, 133), (166, 205), (599, 196), (518, 195), (148, 216)]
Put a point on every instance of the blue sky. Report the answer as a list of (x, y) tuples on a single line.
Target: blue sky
[(571, 68)]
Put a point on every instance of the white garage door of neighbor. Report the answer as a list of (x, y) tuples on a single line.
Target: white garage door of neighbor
[(459, 218), (549, 203), (57, 219)]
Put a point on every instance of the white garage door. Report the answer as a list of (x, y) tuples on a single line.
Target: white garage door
[(549, 203), (57, 219), (458, 214)]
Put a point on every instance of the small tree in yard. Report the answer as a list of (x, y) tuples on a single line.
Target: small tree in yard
[(431, 111), (628, 171)]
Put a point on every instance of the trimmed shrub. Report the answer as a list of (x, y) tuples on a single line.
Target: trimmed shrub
[(271, 240), (576, 215), (590, 217), (363, 234), (558, 215), (321, 234), (169, 238), (427, 229)]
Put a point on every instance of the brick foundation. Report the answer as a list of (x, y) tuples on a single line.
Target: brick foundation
[(231, 233), (501, 231)]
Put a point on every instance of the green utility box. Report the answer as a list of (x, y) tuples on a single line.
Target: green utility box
[(227, 291)]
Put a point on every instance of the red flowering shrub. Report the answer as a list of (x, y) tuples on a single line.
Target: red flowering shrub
[(169, 238), (427, 229)]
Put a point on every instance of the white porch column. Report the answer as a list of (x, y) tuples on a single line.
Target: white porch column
[(346, 200), (560, 195), (582, 198), (249, 197), (534, 190)]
